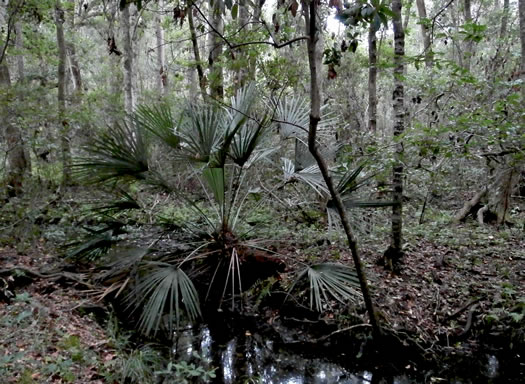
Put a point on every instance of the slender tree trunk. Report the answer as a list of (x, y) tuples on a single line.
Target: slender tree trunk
[(216, 44), (17, 157), (372, 79), (406, 18), (312, 21), (522, 39), (394, 253), (243, 71), (423, 22), (257, 12), (162, 78), (196, 53), (504, 19), (74, 67), (467, 12), (63, 123), (129, 90), (19, 44)]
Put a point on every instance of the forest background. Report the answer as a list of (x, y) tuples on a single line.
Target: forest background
[(245, 111)]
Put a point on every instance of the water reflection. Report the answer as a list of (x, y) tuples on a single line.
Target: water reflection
[(248, 358)]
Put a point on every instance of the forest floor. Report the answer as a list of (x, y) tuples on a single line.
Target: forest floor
[(461, 287)]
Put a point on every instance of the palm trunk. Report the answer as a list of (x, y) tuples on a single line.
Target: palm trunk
[(394, 253), (312, 21), (63, 123)]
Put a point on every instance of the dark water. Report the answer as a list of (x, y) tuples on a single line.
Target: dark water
[(250, 358)]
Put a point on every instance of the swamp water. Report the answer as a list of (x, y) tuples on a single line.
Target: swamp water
[(250, 358)]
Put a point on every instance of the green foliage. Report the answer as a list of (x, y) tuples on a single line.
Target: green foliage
[(186, 373), (163, 288), (120, 153), (329, 281)]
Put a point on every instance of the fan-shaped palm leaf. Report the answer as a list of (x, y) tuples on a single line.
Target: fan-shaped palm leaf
[(159, 121), (161, 290), (310, 176), (329, 280), (293, 116), (201, 131), (246, 140), (119, 153)]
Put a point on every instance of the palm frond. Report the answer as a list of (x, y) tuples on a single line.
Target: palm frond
[(119, 153), (125, 203), (246, 140), (329, 280), (96, 243), (215, 179), (159, 121), (240, 107), (310, 176), (201, 131), (293, 115), (161, 291)]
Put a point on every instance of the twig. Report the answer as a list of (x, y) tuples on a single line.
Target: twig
[(341, 330), (458, 312)]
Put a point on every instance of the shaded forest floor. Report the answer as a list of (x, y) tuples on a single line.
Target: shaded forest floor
[(461, 291)]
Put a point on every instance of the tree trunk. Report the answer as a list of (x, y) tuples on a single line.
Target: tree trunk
[(500, 190), (469, 205), (74, 66), (243, 71), (468, 46), (17, 157), (196, 53), (423, 22), (257, 12), (216, 44), (504, 19), (394, 253), (62, 121), (162, 77), (129, 91), (522, 39), (19, 44), (372, 79), (312, 21)]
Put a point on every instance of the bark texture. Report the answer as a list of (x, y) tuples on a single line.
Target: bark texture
[(129, 90), (394, 253), (372, 79), (216, 77)]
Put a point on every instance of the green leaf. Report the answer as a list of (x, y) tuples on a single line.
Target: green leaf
[(215, 179), (163, 289), (235, 11), (329, 280)]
